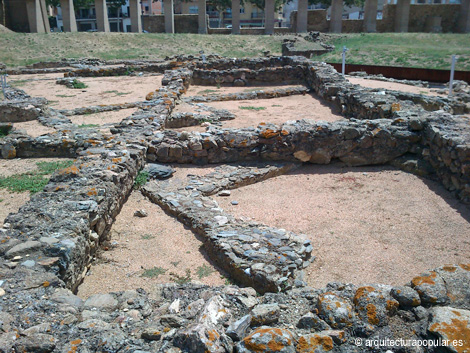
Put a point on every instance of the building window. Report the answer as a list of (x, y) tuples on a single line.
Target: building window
[(146, 9), (193, 9), (242, 10)]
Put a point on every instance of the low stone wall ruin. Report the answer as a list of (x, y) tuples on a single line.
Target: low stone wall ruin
[(48, 246)]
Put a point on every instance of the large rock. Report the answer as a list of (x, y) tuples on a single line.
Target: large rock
[(452, 325), (431, 288), (158, 171), (202, 339), (102, 302), (265, 314), (336, 311), (268, 340), (315, 343), (374, 305)]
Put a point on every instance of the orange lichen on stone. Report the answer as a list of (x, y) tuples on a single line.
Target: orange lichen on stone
[(392, 305), (273, 345), (76, 342), (92, 192), (284, 132), (396, 107), (310, 345), (269, 133), (166, 329), (449, 268), (457, 331), (362, 291), (372, 314), (424, 279), (70, 170), (465, 267), (46, 284), (116, 160)]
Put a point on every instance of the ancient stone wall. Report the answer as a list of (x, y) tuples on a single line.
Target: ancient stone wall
[(48, 246)]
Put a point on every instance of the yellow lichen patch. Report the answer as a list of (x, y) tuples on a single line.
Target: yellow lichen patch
[(465, 267), (269, 133), (273, 345), (372, 314), (449, 268), (457, 331), (46, 284), (361, 292), (424, 279), (213, 335), (116, 160), (392, 305), (76, 342), (73, 170), (92, 192), (396, 107), (314, 342), (284, 132), (166, 329)]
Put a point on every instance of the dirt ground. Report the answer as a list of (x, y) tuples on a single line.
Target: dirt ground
[(367, 225), (250, 113), (158, 240), (100, 90), (105, 118), (10, 202), (392, 86), (196, 90), (34, 128)]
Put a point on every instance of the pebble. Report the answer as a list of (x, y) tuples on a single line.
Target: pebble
[(234, 203)]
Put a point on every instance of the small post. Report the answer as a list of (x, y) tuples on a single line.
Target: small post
[(452, 69), (203, 56), (4, 84), (343, 67)]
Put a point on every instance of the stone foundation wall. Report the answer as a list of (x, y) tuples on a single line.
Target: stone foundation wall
[(47, 248)]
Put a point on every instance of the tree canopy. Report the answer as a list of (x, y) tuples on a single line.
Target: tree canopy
[(87, 3)]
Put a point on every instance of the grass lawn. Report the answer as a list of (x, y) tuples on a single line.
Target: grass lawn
[(395, 49), (424, 50)]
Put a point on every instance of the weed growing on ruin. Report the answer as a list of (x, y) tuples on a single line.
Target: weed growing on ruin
[(141, 179), (1, 200), (23, 182), (117, 93), (47, 168), (32, 181), (204, 271), (65, 95), (147, 236), (154, 272), (250, 107), (175, 263), (78, 85), (181, 279), (86, 126)]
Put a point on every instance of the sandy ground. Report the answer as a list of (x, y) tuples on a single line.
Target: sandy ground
[(100, 90), (12, 201), (195, 90), (34, 128), (367, 225), (112, 117), (275, 110), (391, 86), (158, 240)]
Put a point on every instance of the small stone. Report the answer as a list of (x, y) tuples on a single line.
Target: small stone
[(171, 320), (224, 193), (101, 301), (2, 292), (23, 248), (158, 171), (268, 340), (140, 213), (265, 314), (406, 296), (234, 203), (312, 321), (28, 263), (151, 334), (237, 330)]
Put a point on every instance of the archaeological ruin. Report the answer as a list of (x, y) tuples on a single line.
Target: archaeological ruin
[(219, 148)]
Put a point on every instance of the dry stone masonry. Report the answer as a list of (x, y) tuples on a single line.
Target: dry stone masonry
[(49, 245)]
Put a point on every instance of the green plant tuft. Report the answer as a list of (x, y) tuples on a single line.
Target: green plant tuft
[(252, 108), (154, 272), (78, 85), (141, 179), (181, 279), (204, 271)]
